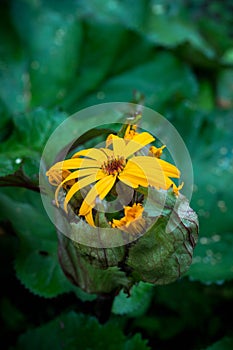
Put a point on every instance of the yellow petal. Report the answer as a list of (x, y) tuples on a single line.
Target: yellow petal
[(100, 190), (94, 153), (109, 140), (152, 164), (118, 146), (138, 142), (156, 152), (139, 171), (79, 185), (132, 181), (177, 188), (75, 175), (89, 218), (75, 163), (109, 153)]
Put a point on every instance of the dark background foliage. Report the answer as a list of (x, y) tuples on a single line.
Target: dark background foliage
[(57, 57)]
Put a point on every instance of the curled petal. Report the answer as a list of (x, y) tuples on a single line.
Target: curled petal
[(75, 175), (101, 189), (89, 218), (79, 185)]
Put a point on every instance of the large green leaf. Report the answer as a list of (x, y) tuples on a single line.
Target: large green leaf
[(223, 344), (209, 139), (75, 331), (92, 74), (36, 263), (171, 31), (136, 302), (20, 154), (161, 79), (52, 39), (14, 79), (213, 259)]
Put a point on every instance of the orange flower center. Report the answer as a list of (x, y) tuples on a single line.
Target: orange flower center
[(113, 166)]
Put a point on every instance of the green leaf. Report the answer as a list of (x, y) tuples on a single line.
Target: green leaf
[(225, 88), (82, 265), (75, 331), (136, 302), (223, 344), (14, 79), (91, 74), (227, 58), (20, 154), (171, 31), (212, 260), (52, 39), (213, 169), (205, 98), (36, 263), (164, 252), (116, 12), (178, 84), (11, 315), (33, 129), (209, 138)]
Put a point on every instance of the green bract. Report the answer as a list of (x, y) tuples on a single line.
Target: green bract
[(160, 256)]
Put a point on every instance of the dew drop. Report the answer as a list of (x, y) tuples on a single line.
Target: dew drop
[(203, 240), (100, 95), (209, 252), (216, 238), (196, 259), (59, 36), (158, 9), (211, 189), (222, 206), (18, 161), (206, 260)]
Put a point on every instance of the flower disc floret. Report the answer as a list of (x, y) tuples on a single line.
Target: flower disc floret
[(113, 166)]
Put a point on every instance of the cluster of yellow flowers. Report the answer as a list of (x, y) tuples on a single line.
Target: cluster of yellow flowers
[(118, 161)]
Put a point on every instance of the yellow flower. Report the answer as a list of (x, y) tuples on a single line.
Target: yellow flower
[(156, 152), (105, 166), (131, 214), (177, 188), (56, 177), (130, 133)]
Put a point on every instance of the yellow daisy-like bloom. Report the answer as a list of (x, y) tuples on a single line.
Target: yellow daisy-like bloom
[(131, 214), (105, 166), (56, 177), (156, 152), (130, 133)]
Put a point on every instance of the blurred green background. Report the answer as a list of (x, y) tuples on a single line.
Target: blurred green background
[(57, 57)]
